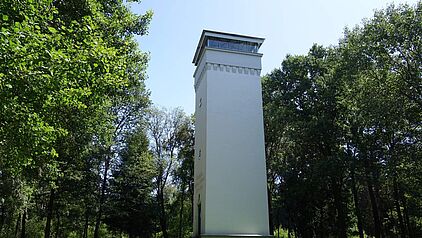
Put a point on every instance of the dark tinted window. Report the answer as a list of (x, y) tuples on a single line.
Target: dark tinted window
[(234, 45)]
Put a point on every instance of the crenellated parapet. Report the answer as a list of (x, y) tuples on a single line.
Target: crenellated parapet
[(225, 68), (233, 69)]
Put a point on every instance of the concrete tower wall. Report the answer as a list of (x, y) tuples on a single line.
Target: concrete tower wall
[(200, 151), (230, 174)]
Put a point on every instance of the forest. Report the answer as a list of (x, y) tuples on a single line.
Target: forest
[(84, 152)]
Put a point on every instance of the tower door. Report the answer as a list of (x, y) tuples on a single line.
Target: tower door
[(199, 219)]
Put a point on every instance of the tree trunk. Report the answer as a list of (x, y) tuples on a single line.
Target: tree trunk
[(270, 212), (278, 222), (381, 209), (356, 200), (18, 224), (321, 222), (191, 203), (47, 229), (161, 203), (3, 217), (163, 217), (406, 215), (338, 201), (377, 223), (57, 235), (398, 209), (278, 231), (102, 198), (23, 231), (181, 211), (85, 232)]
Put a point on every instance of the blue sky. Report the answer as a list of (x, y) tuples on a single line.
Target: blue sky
[(289, 27)]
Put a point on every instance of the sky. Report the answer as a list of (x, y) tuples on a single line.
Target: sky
[(289, 27)]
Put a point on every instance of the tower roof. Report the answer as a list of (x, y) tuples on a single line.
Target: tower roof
[(226, 41)]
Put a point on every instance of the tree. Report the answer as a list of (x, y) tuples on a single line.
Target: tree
[(346, 120), (381, 69), (130, 205), (300, 114), (164, 127), (183, 178), (65, 66)]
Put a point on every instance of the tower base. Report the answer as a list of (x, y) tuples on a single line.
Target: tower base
[(234, 236)]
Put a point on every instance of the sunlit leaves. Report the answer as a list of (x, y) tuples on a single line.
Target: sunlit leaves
[(353, 113)]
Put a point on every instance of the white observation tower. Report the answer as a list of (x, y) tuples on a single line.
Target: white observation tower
[(230, 192)]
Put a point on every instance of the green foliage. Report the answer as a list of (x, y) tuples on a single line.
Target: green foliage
[(343, 123), (69, 70), (282, 233), (171, 136), (131, 206), (181, 215), (302, 96)]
